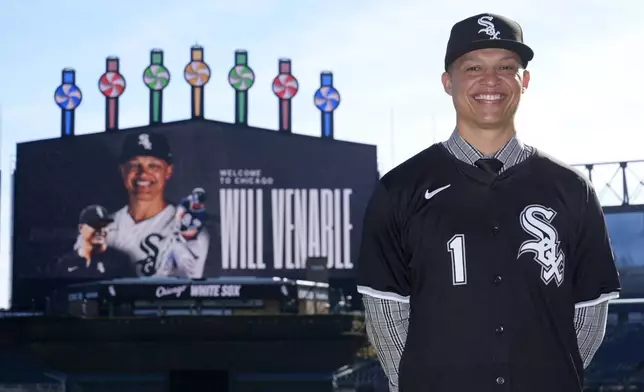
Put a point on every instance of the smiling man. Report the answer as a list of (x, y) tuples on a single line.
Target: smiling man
[(146, 166), (148, 227), (485, 265)]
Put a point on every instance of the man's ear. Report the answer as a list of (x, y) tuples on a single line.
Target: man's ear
[(169, 172), (446, 78), (525, 80)]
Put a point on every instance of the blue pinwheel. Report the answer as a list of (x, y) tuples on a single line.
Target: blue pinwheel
[(68, 96), (327, 99)]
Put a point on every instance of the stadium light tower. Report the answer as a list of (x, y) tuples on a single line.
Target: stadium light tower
[(619, 185)]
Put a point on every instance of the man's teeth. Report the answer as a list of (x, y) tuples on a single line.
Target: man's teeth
[(143, 183), (489, 97)]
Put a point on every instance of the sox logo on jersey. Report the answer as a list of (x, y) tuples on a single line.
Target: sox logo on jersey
[(151, 246), (156, 246), (536, 220)]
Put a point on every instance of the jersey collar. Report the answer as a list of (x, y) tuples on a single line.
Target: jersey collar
[(512, 153)]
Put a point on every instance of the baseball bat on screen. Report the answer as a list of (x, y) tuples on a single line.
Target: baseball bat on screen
[(156, 77), (111, 84), (285, 87), (68, 97)]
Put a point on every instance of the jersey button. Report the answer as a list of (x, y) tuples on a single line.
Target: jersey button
[(498, 279), (495, 230), (499, 329), (500, 380)]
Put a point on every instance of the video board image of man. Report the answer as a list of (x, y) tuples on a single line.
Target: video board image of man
[(91, 258), (161, 239)]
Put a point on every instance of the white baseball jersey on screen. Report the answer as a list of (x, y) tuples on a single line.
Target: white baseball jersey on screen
[(152, 242)]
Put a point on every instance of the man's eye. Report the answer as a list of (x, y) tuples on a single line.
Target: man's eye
[(473, 68)]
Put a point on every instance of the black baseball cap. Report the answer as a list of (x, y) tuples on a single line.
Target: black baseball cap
[(96, 216), (485, 31), (146, 144)]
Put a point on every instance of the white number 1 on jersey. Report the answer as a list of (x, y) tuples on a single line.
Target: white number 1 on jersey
[(456, 248)]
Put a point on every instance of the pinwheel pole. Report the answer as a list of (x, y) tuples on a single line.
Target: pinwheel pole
[(68, 97), (112, 85), (197, 74), (327, 100), (285, 87), (156, 77), (241, 78)]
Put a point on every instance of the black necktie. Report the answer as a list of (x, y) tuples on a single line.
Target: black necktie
[(490, 165)]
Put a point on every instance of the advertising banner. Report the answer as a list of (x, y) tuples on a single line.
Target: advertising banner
[(180, 290), (192, 199)]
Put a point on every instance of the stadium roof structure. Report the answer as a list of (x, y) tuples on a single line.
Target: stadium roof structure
[(619, 185)]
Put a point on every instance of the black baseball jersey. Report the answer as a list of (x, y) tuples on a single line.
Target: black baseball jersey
[(107, 265), (492, 267)]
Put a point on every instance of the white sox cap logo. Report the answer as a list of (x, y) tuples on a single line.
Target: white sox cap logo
[(488, 27), (144, 141)]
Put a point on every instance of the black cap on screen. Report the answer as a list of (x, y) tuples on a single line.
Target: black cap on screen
[(146, 144), (96, 216)]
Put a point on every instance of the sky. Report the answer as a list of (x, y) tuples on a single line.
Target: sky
[(583, 102)]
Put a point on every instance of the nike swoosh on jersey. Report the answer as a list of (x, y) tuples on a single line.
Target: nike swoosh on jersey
[(429, 195), (72, 269)]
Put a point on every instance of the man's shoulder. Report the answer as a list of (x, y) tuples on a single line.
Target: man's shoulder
[(167, 213), (70, 257), (119, 214), (416, 169), (556, 169), (68, 260)]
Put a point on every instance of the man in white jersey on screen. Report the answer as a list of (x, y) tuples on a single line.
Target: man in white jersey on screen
[(159, 238)]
